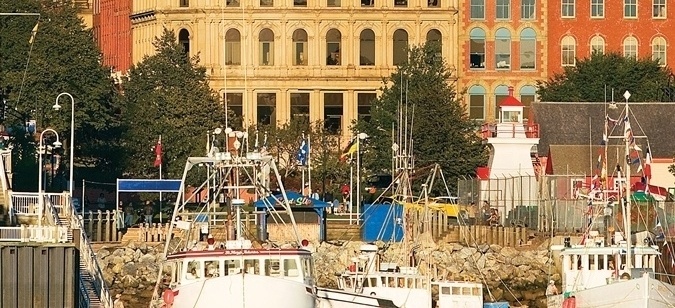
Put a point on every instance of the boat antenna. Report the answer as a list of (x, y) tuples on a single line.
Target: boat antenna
[(628, 138), (224, 67)]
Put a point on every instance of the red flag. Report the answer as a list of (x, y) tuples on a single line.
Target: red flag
[(158, 152)]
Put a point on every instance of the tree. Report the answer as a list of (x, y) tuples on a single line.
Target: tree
[(441, 130), (60, 56), (593, 79), (168, 94)]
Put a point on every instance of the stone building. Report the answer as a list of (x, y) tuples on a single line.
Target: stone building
[(502, 43), (273, 60)]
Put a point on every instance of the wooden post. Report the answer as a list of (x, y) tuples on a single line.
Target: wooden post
[(490, 237), (115, 234), (106, 234), (88, 222), (500, 236), (518, 236), (99, 217)]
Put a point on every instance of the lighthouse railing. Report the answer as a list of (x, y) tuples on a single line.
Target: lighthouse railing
[(509, 130)]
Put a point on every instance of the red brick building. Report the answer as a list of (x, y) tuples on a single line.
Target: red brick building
[(576, 28), (112, 31), (502, 43)]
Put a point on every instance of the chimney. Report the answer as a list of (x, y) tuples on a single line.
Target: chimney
[(511, 91)]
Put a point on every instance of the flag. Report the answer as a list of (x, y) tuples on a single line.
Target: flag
[(647, 171), (349, 149), (628, 131), (158, 152), (33, 33), (303, 151)]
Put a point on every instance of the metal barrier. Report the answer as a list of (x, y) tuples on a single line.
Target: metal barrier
[(24, 203)]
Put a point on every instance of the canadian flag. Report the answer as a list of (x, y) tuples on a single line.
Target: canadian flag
[(158, 152)]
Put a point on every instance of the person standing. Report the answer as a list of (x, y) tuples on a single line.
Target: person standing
[(148, 212), (100, 202), (551, 289), (607, 219)]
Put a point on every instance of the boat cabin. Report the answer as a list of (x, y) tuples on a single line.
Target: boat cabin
[(459, 294), (196, 265)]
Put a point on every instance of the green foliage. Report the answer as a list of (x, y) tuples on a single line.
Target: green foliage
[(62, 58), (586, 81), (441, 130), (168, 94)]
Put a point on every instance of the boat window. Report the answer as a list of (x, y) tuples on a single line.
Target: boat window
[(212, 268), (177, 270), (272, 267), (445, 290), (307, 267), (291, 268), (466, 291), (366, 283), (252, 266), (348, 283), (401, 282), (193, 270), (456, 291), (424, 284), (232, 267), (383, 281), (411, 283), (373, 282), (477, 291), (391, 283)]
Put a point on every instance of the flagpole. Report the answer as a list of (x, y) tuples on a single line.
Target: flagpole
[(309, 166), (160, 192), (351, 188), (358, 179)]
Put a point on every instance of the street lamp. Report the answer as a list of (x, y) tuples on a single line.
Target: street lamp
[(41, 150), (72, 135)]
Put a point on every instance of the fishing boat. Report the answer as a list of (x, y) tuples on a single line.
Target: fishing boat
[(231, 272), (613, 269)]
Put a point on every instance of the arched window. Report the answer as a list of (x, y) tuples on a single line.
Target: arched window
[(501, 92), (568, 48), (333, 53), (299, 47), (528, 94), (400, 47), (630, 47), (597, 45), (476, 102), (528, 48), (184, 40), (503, 48), (266, 45), (659, 50), (232, 47), (477, 48), (367, 48), (436, 38)]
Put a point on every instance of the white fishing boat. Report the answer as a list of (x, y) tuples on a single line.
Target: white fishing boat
[(615, 271)]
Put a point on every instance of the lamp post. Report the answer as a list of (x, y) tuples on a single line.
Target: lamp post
[(41, 150), (362, 137), (72, 136)]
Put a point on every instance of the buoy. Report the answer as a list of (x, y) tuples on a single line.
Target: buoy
[(168, 297)]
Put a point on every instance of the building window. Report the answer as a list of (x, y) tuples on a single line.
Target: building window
[(299, 47), (433, 3), (367, 48), (365, 101), (477, 48), (435, 38), (300, 108), (503, 9), (528, 48), (332, 112), (184, 3), (527, 96), (333, 40), (477, 9), (659, 8), (232, 3), (232, 47), (527, 9), (476, 102), (568, 8), (630, 8), (266, 3), (184, 40), (267, 108), (630, 47), (501, 92), (333, 3), (400, 47), (266, 41), (568, 47), (659, 50), (367, 3), (234, 102), (503, 48), (300, 3), (597, 45), (597, 8), (400, 3)]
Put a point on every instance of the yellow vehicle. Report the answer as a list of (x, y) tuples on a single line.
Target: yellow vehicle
[(447, 204)]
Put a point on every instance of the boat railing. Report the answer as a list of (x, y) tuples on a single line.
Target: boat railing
[(89, 261)]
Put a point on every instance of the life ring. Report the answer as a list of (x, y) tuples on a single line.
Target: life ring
[(168, 298)]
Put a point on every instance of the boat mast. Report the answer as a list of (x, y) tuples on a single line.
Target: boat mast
[(627, 205)]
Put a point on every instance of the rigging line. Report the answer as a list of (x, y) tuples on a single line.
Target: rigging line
[(25, 70)]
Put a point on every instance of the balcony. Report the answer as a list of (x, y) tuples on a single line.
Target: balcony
[(509, 130)]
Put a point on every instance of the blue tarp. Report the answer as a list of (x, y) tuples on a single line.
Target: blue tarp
[(294, 198)]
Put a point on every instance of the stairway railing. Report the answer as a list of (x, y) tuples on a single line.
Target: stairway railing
[(88, 259)]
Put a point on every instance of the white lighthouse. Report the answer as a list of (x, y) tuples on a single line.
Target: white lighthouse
[(511, 179)]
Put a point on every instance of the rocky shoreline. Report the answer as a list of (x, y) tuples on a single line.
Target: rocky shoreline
[(519, 276)]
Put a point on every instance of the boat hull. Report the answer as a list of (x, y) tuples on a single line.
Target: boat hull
[(644, 292), (330, 298), (244, 291)]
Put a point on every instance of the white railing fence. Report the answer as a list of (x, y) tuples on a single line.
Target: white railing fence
[(38, 234), (25, 204)]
